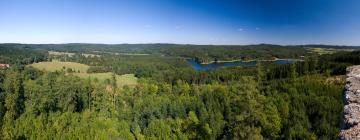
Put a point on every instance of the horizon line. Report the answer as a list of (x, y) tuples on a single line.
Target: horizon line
[(254, 44)]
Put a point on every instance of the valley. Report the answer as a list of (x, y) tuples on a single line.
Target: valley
[(169, 96)]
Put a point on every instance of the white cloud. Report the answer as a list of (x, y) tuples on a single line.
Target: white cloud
[(240, 29), (257, 28)]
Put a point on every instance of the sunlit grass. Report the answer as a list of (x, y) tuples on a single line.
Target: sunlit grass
[(80, 70), (322, 51)]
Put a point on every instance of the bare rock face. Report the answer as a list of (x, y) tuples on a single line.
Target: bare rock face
[(351, 115)]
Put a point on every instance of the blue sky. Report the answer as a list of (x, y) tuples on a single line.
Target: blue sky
[(335, 22)]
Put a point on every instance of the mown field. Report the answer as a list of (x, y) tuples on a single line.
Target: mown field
[(80, 70), (58, 66), (322, 51), (55, 53)]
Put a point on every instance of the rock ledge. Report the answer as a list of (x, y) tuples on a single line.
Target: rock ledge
[(351, 115)]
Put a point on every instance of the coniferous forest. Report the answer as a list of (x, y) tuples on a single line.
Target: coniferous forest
[(301, 100)]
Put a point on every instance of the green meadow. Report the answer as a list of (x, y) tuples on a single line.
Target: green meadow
[(80, 70), (322, 51), (57, 66)]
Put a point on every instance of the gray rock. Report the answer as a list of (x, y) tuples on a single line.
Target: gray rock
[(351, 115), (351, 133)]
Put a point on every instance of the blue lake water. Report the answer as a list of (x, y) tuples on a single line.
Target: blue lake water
[(197, 66)]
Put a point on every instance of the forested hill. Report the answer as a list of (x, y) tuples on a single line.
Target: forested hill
[(203, 53), (21, 54)]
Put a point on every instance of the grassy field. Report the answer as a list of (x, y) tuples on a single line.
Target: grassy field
[(57, 66), (71, 54), (61, 53), (121, 80), (81, 71), (322, 51)]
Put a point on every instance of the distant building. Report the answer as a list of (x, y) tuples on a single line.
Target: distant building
[(4, 66)]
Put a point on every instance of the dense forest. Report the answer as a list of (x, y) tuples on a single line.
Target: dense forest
[(204, 53), (302, 100)]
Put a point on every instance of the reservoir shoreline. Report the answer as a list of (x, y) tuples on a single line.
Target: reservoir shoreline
[(217, 64)]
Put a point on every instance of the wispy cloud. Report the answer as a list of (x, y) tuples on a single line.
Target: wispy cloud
[(240, 29)]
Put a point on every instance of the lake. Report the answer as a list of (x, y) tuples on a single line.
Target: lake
[(197, 66)]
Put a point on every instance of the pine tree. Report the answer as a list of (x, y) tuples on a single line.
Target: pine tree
[(260, 74), (14, 102), (114, 88), (293, 72), (14, 90)]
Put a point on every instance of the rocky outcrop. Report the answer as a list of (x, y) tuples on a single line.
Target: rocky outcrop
[(351, 115)]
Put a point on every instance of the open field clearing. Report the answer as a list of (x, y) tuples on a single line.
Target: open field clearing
[(121, 53), (90, 55), (61, 53), (71, 54), (57, 66), (80, 70), (121, 80), (322, 51)]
